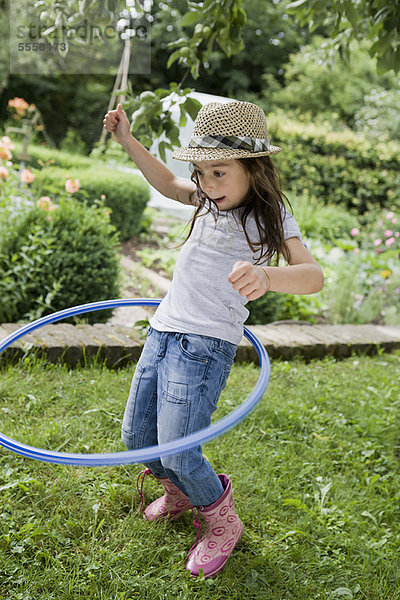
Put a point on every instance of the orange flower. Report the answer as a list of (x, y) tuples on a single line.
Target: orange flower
[(5, 153), (45, 203), (19, 104), (72, 185), (3, 172), (27, 176)]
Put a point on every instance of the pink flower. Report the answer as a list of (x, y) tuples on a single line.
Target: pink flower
[(379, 250), (396, 234), (72, 185), (3, 172), (103, 196), (388, 233), (45, 203), (394, 220), (355, 231), (356, 250), (27, 176), (389, 215), (7, 143), (377, 242), (389, 242)]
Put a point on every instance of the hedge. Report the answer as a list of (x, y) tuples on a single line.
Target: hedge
[(126, 194), (337, 167)]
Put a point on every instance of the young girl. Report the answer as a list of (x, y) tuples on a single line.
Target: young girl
[(239, 224)]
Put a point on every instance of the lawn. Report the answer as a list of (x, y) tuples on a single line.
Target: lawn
[(315, 472)]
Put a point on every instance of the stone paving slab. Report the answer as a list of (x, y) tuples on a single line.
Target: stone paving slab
[(119, 345)]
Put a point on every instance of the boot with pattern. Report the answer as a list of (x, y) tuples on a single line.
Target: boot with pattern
[(223, 530), (172, 505)]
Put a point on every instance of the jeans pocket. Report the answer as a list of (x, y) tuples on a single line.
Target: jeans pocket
[(196, 347)]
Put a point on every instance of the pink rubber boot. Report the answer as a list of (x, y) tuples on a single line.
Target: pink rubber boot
[(172, 505), (223, 530)]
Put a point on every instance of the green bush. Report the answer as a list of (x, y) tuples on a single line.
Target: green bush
[(276, 307), (326, 223), (337, 167), (50, 260), (126, 194), (266, 309), (379, 118)]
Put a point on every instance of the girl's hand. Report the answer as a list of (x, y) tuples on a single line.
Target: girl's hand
[(117, 122), (250, 281)]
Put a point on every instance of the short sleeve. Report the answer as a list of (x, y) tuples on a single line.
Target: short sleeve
[(290, 227)]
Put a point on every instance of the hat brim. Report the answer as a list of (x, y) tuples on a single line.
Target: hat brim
[(189, 154)]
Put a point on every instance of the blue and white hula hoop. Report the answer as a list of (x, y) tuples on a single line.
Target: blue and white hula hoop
[(142, 454)]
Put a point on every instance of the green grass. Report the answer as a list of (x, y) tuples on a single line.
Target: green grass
[(314, 468)]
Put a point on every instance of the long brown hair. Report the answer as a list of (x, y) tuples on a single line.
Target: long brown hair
[(264, 199)]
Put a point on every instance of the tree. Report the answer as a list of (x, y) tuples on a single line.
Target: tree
[(269, 37), (377, 21), (319, 88), (205, 25)]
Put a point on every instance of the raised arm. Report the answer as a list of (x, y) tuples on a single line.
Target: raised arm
[(156, 173)]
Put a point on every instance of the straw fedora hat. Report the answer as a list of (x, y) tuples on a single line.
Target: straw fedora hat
[(228, 130)]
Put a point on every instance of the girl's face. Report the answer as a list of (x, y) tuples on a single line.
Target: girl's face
[(224, 181)]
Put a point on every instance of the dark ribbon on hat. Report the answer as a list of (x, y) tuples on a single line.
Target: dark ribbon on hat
[(230, 141)]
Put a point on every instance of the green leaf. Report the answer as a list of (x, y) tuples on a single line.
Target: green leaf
[(192, 106), (190, 17), (241, 17), (161, 150), (183, 117), (174, 56), (293, 6), (352, 14), (385, 61), (194, 69), (180, 42)]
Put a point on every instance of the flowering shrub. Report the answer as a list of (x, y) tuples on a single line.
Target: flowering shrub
[(385, 232), (54, 252), (57, 255), (20, 106), (29, 121), (126, 194), (361, 284)]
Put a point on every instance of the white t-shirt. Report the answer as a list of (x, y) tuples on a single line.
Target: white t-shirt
[(200, 299)]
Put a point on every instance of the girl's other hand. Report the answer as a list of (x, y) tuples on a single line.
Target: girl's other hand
[(117, 122), (250, 281)]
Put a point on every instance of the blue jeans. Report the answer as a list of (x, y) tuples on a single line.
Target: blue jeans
[(175, 389)]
